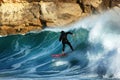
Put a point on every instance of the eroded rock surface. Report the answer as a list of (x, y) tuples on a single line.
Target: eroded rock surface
[(21, 16)]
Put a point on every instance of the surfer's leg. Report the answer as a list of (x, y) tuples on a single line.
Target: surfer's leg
[(70, 46), (63, 48)]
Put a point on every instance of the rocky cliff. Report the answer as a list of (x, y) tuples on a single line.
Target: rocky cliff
[(21, 16)]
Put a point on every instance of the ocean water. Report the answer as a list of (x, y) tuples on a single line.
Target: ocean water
[(96, 54)]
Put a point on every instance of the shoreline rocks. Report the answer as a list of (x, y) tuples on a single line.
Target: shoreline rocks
[(22, 16)]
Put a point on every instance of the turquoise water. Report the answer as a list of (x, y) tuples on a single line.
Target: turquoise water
[(95, 56)]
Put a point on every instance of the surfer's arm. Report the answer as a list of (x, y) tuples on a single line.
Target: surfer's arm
[(69, 33)]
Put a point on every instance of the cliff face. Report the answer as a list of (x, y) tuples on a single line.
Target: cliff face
[(21, 16)]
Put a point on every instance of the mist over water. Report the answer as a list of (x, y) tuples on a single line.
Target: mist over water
[(96, 51)]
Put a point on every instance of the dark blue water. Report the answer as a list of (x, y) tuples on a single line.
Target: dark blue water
[(95, 56)]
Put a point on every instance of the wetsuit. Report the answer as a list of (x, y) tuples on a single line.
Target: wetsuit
[(63, 38)]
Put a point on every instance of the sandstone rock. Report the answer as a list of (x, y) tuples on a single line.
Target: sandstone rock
[(8, 30), (49, 10), (13, 1), (31, 14), (21, 16), (19, 13), (60, 15), (65, 1), (11, 12)]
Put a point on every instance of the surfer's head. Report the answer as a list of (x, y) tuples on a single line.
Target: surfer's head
[(62, 32)]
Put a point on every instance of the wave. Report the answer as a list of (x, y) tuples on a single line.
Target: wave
[(96, 50)]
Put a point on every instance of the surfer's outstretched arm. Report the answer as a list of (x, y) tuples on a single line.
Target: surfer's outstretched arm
[(69, 33)]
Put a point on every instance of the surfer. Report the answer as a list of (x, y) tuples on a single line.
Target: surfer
[(63, 38)]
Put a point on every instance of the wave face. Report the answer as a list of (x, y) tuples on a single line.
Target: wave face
[(96, 51)]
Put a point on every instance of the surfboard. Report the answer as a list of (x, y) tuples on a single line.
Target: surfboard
[(58, 55)]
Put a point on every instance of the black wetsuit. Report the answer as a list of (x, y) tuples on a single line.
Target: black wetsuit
[(63, 38)]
